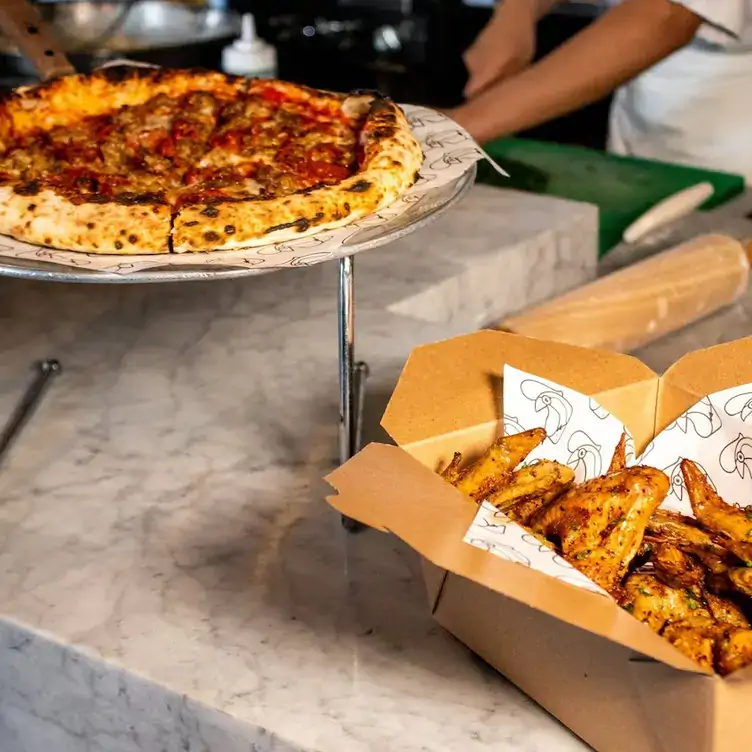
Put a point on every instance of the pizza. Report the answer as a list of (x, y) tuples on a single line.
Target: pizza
[(146, 161)]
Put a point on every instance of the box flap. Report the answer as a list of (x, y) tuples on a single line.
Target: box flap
[(700, 373), (438, 394), (385, 488)]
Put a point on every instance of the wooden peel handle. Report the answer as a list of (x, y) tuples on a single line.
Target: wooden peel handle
[(641, 303), (21, 21)]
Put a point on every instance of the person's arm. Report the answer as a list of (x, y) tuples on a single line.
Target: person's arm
[(506, 45), (617, 47)]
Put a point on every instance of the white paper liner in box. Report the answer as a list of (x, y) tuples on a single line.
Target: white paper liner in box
[(716, 433), (449, 152)]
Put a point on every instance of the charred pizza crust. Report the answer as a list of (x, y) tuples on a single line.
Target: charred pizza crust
[(392, 159), (47, 218), (151, 223)]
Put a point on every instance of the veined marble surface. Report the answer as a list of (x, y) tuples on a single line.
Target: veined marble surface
[(171, 578)]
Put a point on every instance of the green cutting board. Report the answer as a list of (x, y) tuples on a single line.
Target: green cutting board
[(622, 188)]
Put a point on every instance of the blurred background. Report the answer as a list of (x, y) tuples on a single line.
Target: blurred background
[(408, 49)]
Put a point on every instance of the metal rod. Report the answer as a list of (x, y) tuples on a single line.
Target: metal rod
[(45, 370), (361, 376), (347, 404), (352, 376)]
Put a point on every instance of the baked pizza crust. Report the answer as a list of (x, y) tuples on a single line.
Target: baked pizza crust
[(391, 160), (46, 218)]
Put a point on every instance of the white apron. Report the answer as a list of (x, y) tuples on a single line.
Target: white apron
[(693, 108)]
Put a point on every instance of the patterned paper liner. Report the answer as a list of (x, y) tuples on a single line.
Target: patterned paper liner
[(449, 152), (716, 433)]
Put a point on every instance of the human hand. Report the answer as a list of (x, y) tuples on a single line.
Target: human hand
[(504, 47)]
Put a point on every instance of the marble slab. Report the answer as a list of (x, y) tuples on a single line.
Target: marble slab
[(170, 576)]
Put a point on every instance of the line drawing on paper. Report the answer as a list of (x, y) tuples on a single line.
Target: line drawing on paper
[(584, 456), (458, 156), (481, 543), (508, 553), (597, 409), (702, 417), (531, 540), (740, 405), (552, 403), (736, 456), (441, 139), (499, 528), (512, 425), (425, 117)]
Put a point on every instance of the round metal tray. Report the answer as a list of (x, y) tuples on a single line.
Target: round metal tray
[(430, 206)]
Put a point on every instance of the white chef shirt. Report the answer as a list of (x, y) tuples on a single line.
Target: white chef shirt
[(694, 107)]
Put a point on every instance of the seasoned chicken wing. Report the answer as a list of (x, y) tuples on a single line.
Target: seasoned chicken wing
[(676, 568), (451, 472), (599, 524), (734, 650), (741, 579), (531, 488), (492, 470), (725, 611), (685, 533), (619, 460), (696, 638), (656, 604), (731, 522)]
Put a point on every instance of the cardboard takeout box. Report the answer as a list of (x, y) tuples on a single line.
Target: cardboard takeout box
[(608, 677)]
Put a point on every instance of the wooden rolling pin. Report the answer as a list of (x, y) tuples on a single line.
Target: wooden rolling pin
[(638, 304)]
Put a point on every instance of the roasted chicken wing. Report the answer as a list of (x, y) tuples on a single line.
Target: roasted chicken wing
[(451, 472), (493, 469), (696, 638), (725, 611), (619, 460), (741, 580), (599, 524), (531, 488), (731, 522), (734, 650), (676, 568), (656, 604), (685, 533)]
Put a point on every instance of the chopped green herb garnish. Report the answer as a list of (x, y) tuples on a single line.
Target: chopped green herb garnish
[(642, 591), (629, 607), (582, 555), (749, 513), (693, 602)]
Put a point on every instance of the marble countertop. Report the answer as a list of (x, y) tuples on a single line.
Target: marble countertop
[(171, 578)]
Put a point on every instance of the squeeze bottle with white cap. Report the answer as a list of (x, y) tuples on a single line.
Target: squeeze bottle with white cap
[(250, 56)]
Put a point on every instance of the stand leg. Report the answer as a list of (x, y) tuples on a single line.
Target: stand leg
[(352, 375)]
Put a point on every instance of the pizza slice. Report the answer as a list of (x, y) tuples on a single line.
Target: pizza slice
[(289, 166)]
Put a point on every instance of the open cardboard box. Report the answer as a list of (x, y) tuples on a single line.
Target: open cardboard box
[(608, 677)]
